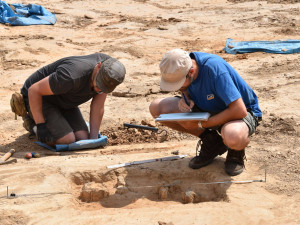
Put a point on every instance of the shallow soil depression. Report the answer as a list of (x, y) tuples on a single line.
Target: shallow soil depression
[(122, 187)]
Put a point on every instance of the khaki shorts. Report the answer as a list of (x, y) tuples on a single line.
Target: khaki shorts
[(252, 122)]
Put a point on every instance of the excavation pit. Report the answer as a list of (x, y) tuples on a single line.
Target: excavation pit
[(124, 186)]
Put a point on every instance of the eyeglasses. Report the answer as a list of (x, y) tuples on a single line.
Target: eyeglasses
[(98, 92)]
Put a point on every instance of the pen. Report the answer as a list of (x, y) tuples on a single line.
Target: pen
[(186, 101)]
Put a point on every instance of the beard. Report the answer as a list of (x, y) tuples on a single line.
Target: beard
[(187, 83), (183, 88)]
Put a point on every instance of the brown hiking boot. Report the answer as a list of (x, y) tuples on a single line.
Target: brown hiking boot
[(211, 145), (234, 164)]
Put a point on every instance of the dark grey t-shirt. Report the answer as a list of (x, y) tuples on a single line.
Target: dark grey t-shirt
[(69, 80)]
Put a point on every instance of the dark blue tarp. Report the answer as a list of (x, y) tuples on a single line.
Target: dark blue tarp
[(24, 15), (279, 47)]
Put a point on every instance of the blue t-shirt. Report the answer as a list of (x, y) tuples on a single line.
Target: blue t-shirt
[(218, 84)]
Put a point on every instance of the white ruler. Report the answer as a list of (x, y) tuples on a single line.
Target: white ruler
[(147, 161)]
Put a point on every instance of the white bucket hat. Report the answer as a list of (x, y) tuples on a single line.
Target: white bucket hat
[(174, 67)]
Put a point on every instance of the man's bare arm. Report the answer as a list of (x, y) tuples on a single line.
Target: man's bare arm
[(236, 110), (35, 93), (96, 114)]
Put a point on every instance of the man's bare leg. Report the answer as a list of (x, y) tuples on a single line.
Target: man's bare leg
[(67, 139), (81, 135), (170, 105), (235, 134), (72, 137)]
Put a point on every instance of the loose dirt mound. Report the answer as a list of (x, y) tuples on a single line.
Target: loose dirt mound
[(124, 135)]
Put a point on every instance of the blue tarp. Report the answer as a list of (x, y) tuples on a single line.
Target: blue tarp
[(279, 47), (24, 15), (78, 145)]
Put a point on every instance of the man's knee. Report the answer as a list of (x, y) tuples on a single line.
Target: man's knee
[(164, 106), (154, 108), (236, 141), (81, 135), (67, 139), (235, 137)]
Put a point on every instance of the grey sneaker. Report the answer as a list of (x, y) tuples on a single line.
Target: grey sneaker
[(234, 164), (211, 145)]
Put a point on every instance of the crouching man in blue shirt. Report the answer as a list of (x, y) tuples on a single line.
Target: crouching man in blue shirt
[(209, 84)]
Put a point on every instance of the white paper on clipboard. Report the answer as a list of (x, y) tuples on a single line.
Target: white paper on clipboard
[(201, 116)]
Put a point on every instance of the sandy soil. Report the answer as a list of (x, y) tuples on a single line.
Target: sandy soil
[(77, 188)]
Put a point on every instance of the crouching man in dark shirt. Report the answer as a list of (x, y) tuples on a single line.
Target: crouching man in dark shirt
[(53, 93)]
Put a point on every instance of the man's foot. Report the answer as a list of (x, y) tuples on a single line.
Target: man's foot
[(211, 145), (234, 164), (28, 123)]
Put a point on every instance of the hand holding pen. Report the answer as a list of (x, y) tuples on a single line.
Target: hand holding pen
[(185, 104)]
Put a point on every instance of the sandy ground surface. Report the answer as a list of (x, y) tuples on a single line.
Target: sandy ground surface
[(77, 188)]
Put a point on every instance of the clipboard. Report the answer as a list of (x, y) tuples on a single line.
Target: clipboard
[(200, 116)]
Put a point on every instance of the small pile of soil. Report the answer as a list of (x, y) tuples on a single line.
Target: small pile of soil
[(121, 135)]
